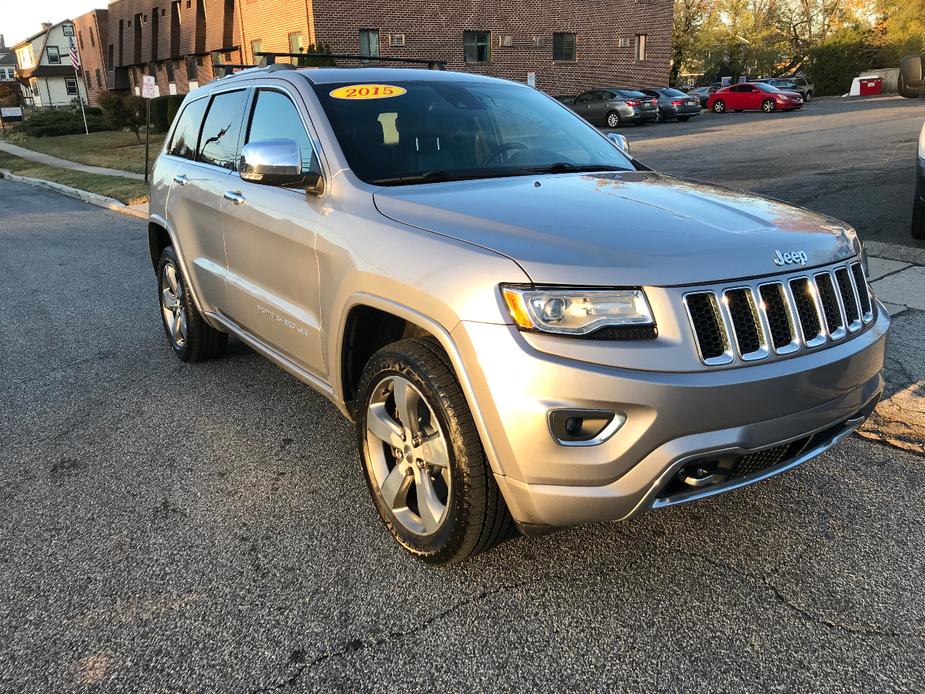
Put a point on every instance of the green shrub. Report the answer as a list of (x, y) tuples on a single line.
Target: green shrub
[(53, 123), (173, 106), (159, 117), (835, 62), (124, 112)]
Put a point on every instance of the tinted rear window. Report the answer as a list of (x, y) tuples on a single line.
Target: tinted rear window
[(183, 142), (218, 144), (668, 91), (630, 94)]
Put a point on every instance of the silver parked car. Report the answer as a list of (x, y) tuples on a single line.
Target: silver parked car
[(526, 325)]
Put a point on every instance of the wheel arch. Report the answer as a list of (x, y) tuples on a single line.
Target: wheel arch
[(391, 321), (160, 235)]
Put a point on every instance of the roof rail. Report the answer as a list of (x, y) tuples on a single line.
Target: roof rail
[(269, 58), (229, 68)]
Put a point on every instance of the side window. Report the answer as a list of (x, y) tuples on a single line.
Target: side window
[(583, 98), (275, 117), (218, 144), (183, 142)]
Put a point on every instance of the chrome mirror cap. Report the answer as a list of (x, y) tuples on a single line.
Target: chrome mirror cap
[(271, 162), (620, 142)]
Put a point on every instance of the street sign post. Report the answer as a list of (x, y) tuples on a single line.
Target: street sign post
[(148, 91)]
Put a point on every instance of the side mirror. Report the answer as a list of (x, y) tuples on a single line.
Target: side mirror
[(620, 142), (272, 163)]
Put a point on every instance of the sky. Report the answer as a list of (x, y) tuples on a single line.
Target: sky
[(19, 19)]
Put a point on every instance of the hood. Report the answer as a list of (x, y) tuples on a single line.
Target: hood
[(622, 228)]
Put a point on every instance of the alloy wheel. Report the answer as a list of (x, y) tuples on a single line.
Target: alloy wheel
[(173, 308), (408, 456), (613, 120), (767, 106)]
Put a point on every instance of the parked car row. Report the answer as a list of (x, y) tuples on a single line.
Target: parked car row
[(616, 106)]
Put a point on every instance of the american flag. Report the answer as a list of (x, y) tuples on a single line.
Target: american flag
[(75, 58)]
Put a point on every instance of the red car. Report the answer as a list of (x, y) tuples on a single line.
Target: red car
[(753, 96)]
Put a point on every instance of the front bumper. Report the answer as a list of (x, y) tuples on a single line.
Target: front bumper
[(671, 417)]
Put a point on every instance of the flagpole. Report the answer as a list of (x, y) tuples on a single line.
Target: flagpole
[(74, 64)]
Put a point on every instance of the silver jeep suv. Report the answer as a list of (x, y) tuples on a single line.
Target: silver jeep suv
[(528, 327)]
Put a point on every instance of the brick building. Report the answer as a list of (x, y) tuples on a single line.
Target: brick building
[(92, 35), (566, 46)]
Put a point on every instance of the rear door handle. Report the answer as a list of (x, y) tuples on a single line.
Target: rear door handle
[(234, 197), (180, 180)]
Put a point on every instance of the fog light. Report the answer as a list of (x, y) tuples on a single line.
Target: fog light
[(584, 427)]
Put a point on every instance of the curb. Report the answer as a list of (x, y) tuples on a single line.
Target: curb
[(82, 195)]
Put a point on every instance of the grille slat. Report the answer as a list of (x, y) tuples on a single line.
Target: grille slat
[(752, 322), (849, 299), (830, 307), (863, 291)]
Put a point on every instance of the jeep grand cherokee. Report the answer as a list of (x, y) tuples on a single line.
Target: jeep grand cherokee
[(526, 325)]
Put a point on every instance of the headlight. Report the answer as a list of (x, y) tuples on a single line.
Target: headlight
[(567, 311)]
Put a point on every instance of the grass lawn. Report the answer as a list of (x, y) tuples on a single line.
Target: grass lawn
[(112, 149), (127, 190)]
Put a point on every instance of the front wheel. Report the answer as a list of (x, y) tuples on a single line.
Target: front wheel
[(613, 119), (768, 106), (422, 456), (719, 106)]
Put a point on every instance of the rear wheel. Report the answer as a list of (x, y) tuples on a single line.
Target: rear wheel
[(190, 337), (719, 106), (808, 97), (768, 106), (613, 119), (422, 456)]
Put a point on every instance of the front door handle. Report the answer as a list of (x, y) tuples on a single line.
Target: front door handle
[(180, 180), (234, 197)]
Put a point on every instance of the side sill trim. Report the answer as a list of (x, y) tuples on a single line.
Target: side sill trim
[(276, 357)]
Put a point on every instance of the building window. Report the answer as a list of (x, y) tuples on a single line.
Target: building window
[(369, 42), (563, 46), (641, 47), (169, 70), (295, 42), (80, 39), (70, 84), (53, 56), (476, 46), (99, 79), (256, 46), (92, 40)]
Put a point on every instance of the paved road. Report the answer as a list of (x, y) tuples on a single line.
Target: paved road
[(174, 527), (853, 160)]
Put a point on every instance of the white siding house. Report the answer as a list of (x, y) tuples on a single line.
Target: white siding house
[(44, 68)]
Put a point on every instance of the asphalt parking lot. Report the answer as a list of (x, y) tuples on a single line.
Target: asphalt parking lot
[(207, 527)]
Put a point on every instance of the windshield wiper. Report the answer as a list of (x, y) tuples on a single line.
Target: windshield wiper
[(567, 167)]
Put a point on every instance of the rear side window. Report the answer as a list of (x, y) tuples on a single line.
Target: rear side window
[(183, 142), (276, 117), (218, 144)]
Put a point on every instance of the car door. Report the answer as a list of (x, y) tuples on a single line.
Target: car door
[(752, 96), (582, 104), (599, 108), (193, 207), (273, 287)]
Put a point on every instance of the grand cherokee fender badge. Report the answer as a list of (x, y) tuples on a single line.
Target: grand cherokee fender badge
[(790, 258)]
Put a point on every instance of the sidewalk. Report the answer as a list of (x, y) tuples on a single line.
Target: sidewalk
[(897, 276), (49, 160)]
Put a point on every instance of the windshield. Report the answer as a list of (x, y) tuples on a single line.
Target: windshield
[(426, 131), (766, 87)]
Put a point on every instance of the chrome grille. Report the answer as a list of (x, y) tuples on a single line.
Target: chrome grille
[(751, 323)]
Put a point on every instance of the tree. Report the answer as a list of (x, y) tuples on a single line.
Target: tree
[(124, 112)]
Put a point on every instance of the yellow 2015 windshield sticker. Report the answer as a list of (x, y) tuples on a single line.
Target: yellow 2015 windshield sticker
[(368, 91)]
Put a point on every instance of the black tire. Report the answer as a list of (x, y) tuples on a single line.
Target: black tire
[(808, 97), (684, 119), (719, 106), (918, 220), (613, 120), (768, 106), (476, 518), (202, 341)]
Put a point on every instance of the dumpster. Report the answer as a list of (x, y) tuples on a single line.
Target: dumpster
[(871, 86)]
